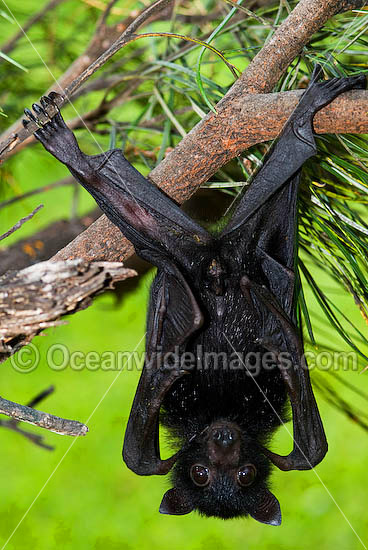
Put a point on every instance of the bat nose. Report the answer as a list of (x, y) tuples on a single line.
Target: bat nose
[(224, 437)]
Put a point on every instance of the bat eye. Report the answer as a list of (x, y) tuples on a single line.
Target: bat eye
[(200, 475), (246, 475)]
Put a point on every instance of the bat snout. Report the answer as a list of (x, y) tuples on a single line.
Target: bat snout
[(224, 437), (224, 434)]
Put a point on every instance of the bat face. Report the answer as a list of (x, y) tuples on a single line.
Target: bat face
[(231, 294), (222, 474)]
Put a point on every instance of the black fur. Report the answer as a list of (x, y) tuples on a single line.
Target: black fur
[(224, 295)]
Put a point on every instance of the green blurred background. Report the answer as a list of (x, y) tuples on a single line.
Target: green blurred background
[(81, 495)]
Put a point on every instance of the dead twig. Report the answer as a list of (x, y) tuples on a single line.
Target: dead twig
[(26, 413), (20, 223), (10, 45), (37, 297)]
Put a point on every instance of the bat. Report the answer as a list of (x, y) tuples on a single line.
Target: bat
[(224, 356)]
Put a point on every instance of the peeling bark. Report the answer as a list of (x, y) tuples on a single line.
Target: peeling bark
[(36, 297)]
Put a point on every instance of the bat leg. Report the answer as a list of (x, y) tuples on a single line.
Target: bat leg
[(295, 145), (144, 214), (317, 96)]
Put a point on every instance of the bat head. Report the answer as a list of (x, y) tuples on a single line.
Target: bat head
[(222, 473)]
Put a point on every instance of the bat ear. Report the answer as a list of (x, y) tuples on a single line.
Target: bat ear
[(176, 503), (267, 509)]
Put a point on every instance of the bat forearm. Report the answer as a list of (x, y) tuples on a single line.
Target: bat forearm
[(141, 450)]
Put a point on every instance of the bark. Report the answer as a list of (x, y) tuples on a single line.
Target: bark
[(246, 121), (35, 298), (213, 142), (22, 413)]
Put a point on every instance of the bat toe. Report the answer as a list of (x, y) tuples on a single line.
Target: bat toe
[(53, 96), (39, 110), (317, 73), (30, 116), (46, 101), (359, 82)]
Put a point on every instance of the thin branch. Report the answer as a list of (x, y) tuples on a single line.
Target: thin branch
[(62, 183), (96, 51), (13, 424), (106, 13), (20, 223), (23, 413), (40, 397), (35, 438), (10, 45)]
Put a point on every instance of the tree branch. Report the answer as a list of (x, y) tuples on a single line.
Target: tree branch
[(86, 65), (10, 45), (21, 222), (36, 297), (243, 119), (252, 119), (23, 413), (19, 413)]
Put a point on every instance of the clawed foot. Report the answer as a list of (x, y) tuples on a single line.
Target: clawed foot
[(53, 133), (319, 94)]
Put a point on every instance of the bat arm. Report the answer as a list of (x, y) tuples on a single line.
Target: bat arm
[(310, 444), (141, 450)]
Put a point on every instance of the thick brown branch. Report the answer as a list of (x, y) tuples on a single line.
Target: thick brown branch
[(36, 297), (248, 120)]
